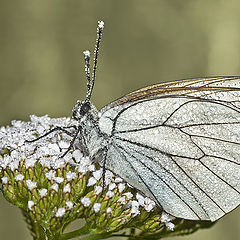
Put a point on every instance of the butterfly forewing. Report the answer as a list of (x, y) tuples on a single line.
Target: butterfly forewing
[(196, 87), (180, 142)]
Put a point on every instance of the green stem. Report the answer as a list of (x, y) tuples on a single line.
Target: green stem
[(97, 236), (80, 232), (36, 230), (86, 234)]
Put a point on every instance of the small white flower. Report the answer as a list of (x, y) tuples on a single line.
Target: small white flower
[(62, 144), (170, 226), (129, 195), (98, 189), (166, 217), (43, 192), (82, 169), (148, 200), (54, 187), (54, 147), (50, 175), (14, 154), (110, 194), (135, 205), (30, 205), (140, 199), (97, 174), (30, 162), (4, 163), (77, 155), (67, 188), (121, 187), (149, 204), (40, 129), (112, 186), (45, 162), (108, 175), (58, 162), (122, 200), (85, 161), (149, 207), (31, 185), (118, 180), (70, 175), (60, 212), (109, 210), (69, 204), (58, 179), (86, 201), (19, 177), (13, 165), (91, 168), (91, 181), (96, 207), (4, 180)]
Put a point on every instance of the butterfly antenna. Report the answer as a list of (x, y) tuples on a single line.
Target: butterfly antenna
[(98, 40), (87, 72)]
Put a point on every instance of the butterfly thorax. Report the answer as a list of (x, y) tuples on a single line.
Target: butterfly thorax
[(93, 140)]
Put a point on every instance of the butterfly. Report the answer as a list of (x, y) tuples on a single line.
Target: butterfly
[(177, 142)]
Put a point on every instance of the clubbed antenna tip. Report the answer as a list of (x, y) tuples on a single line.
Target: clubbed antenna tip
[(86, 53), (101, 24)]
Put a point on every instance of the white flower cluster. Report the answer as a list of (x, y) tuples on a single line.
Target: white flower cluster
[(47, 152)]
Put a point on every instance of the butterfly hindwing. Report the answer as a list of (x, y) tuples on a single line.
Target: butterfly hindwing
[(180, 146)]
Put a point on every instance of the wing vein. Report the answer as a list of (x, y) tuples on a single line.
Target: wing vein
[(158, 178), (171, 157), (219, 177)]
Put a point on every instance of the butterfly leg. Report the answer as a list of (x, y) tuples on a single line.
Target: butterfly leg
[(72, 141), (63, 129), (104, 170)]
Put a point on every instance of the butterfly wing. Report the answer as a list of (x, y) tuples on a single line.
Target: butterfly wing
[(179, 143)]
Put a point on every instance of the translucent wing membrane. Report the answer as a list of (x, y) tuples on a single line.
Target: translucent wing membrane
[(189, 87), (181, 144)]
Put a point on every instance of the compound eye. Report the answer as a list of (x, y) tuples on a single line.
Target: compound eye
[(85, 108)]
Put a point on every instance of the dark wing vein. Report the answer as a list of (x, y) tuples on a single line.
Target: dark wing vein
[(139, 102), (225, 159), (171, 157), (211, 156), (180, 183), (194, 99), (212, 138), (152, 148), (197, 184), (175, 88), (205, 124), (219, 177), (180, 128), (126, 159), (200, 100)]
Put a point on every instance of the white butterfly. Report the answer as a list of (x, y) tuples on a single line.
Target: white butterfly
[(178, 143)]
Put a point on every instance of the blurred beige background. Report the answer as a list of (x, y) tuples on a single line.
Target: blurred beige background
[(144, 42)]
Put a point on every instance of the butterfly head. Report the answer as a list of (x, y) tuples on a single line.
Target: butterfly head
[(81, 109)]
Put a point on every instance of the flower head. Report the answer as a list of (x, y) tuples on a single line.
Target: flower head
[(53, 191)]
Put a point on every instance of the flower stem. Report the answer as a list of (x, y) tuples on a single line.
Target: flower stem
[(77, 233)]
